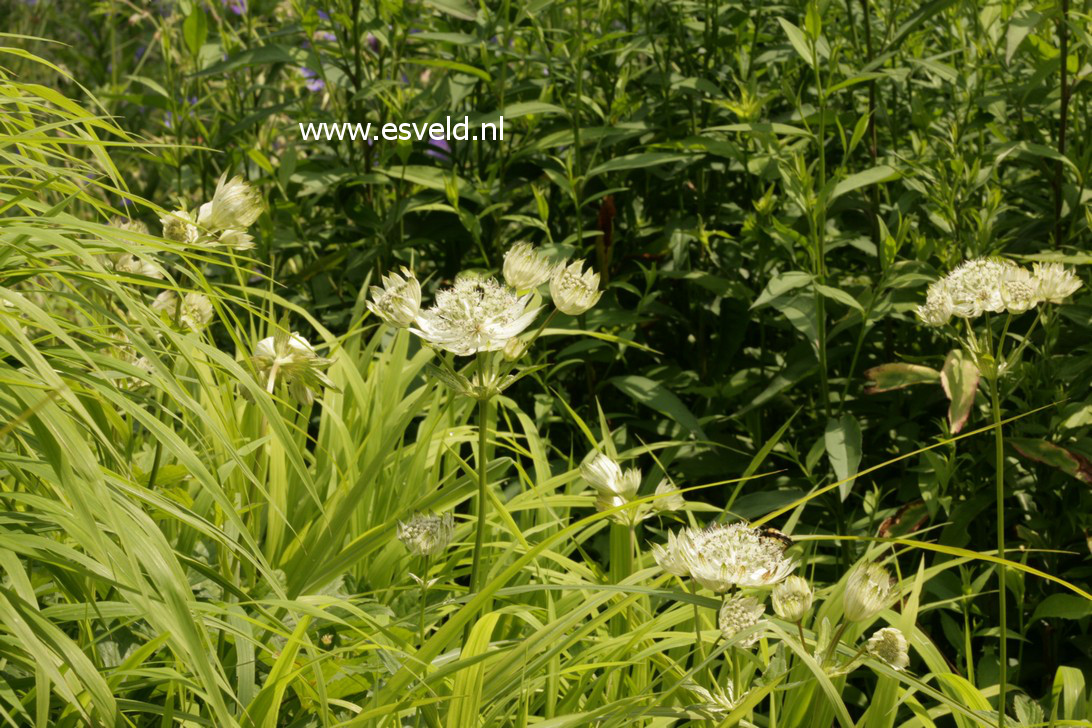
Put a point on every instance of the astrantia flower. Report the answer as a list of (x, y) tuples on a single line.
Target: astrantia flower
[(235, 239), (399, 300), (1018, 289), (672, 499), (235, 205), (792, 598), (737, 614), (476, 314), (181, 227), (526, 268), (605, 475), (426, 534), (869, 589), (937, 309), (672, 557), (194, 310), (132, 265), (573, 290), (293, 360), (1054, 282), (889, 645), (720, 557)]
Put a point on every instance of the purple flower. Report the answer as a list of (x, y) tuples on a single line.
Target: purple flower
[(323, 15), (236, 6), (325, 35), (314, 83), (373, 43), (441, 150)]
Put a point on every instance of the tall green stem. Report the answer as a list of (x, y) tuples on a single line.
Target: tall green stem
[(999, 442), (482, 507)]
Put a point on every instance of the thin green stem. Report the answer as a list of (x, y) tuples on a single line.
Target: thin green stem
[(999, 442), (482, 507)]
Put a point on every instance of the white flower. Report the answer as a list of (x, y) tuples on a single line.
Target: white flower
[(889, 645), (526, 268), (792, 599), (399, 300), (937, 309), (293, 360), (476, 314), (194, 310), (1053, 282), (737, 614), (606, 476), (132, 265), (672, 557), (235, 205), (720, 557), (235, 239), (1018, 289), (181, 227), (574, 291), (426, 534), (672, 499), (869, 589)]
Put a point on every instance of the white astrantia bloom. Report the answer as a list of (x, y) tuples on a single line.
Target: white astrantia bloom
[(672, 499), (235, 205), (737, 614), (398, 301), (293, 360), (132, 265), (720, 557), (235, 239), (792, 598), (937, 309), (181, 227), (889, 645), (1053, 282), (427, 534), (194, 310), (1018, 289), (975, 287), (869, 589), (525, 267), (573, 289), (475, 314), (672, 557), (606, 476)]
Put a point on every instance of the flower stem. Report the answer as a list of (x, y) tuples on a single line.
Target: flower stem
[(482, 507), (999, 442)]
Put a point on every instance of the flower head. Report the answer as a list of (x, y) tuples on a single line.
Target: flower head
[(399, 300), (526, 268), (181, 227), (194, 310), (1053, 282), (792, 598), (574, 290), (292, 359), (937, 309), (130, 264), (737, 614), (426, 534), (235, 205), (672, 557), (889, 645), (720, 557), (476, 314), (869, 590), (672, 499)]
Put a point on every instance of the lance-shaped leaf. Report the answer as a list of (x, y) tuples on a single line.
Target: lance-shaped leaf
[(843, 444), (959, 377), (1056, 456), (897, 375)]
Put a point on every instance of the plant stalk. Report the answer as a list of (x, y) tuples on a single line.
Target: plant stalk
[(999, 442)]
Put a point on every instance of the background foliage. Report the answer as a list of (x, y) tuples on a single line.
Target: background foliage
[(765, 188)]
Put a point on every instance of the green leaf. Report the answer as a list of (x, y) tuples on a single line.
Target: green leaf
[(660, 398), (880, 173), (455, 8), (640, 161), (959, 377), (837, 294), (1061, 458), (781, 284), (194, 29), (1062, 606), (843, 444), (888, 377), (799, 41)]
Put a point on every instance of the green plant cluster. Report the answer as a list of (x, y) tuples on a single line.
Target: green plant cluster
[(238, 488)]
